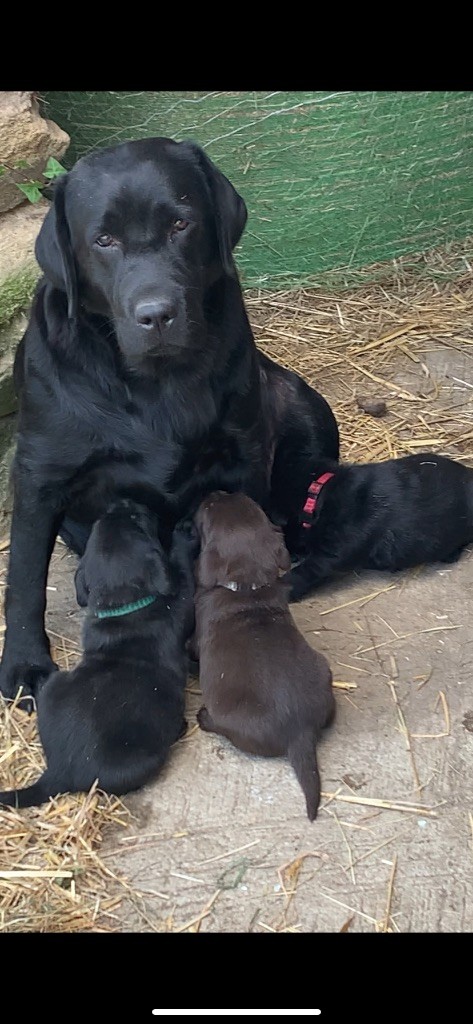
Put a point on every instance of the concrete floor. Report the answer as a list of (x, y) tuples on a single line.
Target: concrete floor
[(216, 830), (221, 841)]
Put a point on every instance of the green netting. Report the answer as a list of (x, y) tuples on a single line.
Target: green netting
[(332, 181)]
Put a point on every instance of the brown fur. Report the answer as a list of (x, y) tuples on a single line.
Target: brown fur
[(263, 687)]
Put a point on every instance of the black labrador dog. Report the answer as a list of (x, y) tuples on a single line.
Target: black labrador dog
[(138, 374), (385, 515), (115, 716)]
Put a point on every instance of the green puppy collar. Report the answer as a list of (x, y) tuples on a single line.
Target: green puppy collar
[(125, 609)]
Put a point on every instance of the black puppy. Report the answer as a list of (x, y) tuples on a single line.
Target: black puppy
[(138, 363), (387, 515), (115, 716)]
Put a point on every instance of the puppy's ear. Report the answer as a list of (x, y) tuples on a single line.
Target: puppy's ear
[(157, 573), (229, 207), (53, 249), (282, 554), (209, 568), (81, 589)]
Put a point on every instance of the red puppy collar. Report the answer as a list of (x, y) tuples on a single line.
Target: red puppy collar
[(311, 500)]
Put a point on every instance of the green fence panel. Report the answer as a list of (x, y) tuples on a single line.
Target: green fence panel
[(333, 181)]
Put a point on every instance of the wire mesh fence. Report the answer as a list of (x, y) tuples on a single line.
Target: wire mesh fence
[(333, 181)]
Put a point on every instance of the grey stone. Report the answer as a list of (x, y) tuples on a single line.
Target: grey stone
[(9, 337), (25, 136), (7, 451)]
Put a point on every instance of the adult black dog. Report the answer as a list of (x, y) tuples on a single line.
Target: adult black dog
[(383, 515), (138, 374), (115, 716)]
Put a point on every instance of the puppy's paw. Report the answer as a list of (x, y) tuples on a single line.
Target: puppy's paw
[(205, 721), (299, 584), (26, 678), (453, 556), (298, 588)]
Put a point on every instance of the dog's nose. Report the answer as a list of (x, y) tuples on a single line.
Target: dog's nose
[(155, 315)]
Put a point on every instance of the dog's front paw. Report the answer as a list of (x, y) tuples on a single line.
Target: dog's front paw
[(16, 676), (298, 586), (205, 720)]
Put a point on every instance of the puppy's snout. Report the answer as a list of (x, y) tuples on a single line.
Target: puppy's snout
[(155, 314)]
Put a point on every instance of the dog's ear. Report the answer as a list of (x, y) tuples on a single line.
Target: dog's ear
[(209, 569), (53, 249), (157, 573), (82, 593), (282, 554), (284, 557), (229, 207)]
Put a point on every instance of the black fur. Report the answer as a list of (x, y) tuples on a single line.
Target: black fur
[(114, 406), (115, 716), (385, 515)]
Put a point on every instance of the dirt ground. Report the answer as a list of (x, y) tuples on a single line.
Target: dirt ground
[(221, 843)]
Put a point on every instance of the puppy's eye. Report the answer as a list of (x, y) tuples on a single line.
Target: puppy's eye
[(180, 225), (104, 241)]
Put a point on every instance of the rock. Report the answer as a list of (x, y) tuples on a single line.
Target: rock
[(18, 275), (18, 268), (26, 136), (373, 406), (7, 451), (9, 338)]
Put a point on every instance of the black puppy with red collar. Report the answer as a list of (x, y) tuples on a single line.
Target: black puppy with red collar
[(386, 515)]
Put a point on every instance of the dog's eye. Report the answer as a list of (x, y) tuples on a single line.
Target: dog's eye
[(180, 225), (104, 241)]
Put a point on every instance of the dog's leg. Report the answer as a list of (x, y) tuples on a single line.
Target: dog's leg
[(75, 535), (309, 574), (31, 796), (454, 555), (294, 539), (206, 721), (26, 655)]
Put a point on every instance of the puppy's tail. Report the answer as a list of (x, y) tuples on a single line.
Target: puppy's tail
[(302, 755), (31, 796)]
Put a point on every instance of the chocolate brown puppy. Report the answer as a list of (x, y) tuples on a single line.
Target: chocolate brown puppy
[(263, 687)]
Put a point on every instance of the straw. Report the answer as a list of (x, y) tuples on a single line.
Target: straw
[(51, 876)]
